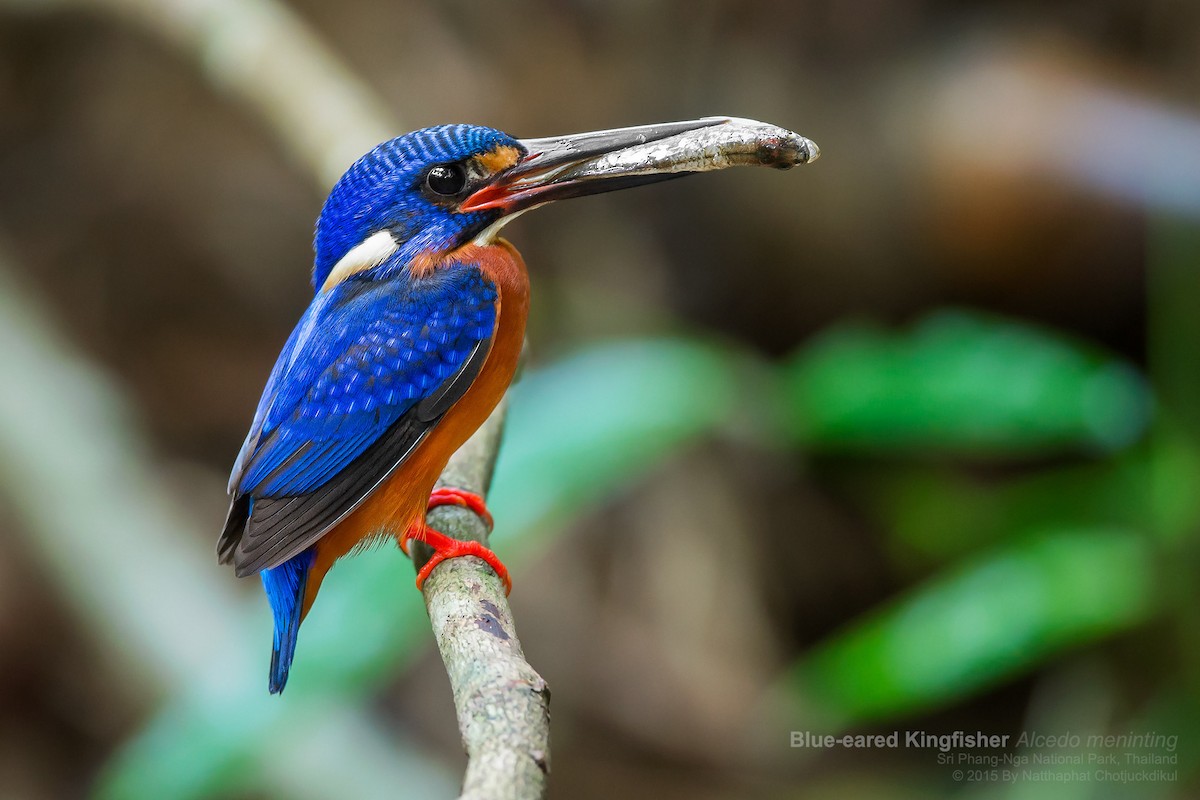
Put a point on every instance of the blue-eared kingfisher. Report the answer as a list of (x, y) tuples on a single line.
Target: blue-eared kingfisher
[(413, 336)]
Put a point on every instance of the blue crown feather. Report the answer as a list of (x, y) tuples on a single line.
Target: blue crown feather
[(381, 192)]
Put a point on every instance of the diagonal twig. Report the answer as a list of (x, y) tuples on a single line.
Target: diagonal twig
[(503, 704)]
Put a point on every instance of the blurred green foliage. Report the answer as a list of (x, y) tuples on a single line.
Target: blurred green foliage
[(963, 383), (1002, 612)]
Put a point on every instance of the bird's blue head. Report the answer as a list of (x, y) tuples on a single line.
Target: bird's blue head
[(403, 200), (414, 199)]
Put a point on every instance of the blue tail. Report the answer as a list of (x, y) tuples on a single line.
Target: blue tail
[(285, 592)]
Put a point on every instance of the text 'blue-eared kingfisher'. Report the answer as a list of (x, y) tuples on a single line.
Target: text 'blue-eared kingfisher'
[(414, 334)]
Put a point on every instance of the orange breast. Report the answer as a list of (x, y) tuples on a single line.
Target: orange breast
[(400, 501)]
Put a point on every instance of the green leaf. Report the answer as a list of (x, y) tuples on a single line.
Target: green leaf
[(937, 513), (994, 618), (963, 384)]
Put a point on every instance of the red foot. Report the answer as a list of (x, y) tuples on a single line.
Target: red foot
[(449, 496), (445, 547)]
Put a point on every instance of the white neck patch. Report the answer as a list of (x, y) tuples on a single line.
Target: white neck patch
[(488, 235), (370, 252)]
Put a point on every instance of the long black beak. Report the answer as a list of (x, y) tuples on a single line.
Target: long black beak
[(558, 167)]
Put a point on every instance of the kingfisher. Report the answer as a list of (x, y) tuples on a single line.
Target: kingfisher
[(413, 335)]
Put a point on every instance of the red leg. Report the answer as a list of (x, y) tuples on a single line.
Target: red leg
[(444, 546), (448, 496)]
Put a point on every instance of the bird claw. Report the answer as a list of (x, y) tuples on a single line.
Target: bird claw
[(449, 496), (445, 547)]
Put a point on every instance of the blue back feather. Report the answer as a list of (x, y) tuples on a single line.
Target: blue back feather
[(375, 350)]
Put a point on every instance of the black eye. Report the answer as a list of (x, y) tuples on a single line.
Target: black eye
[(446, 180)]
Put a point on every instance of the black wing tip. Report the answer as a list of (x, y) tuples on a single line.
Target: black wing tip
[(226, 547), (247, 562), (235, 527)]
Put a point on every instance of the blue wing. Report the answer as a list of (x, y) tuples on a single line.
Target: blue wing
[(367, 372)]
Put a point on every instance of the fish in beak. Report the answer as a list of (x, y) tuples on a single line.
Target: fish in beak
[(558, 167)]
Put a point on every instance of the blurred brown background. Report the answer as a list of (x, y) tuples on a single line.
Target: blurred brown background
[(1009, 157)]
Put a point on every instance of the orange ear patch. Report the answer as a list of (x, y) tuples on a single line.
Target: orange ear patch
[(499, 159)]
